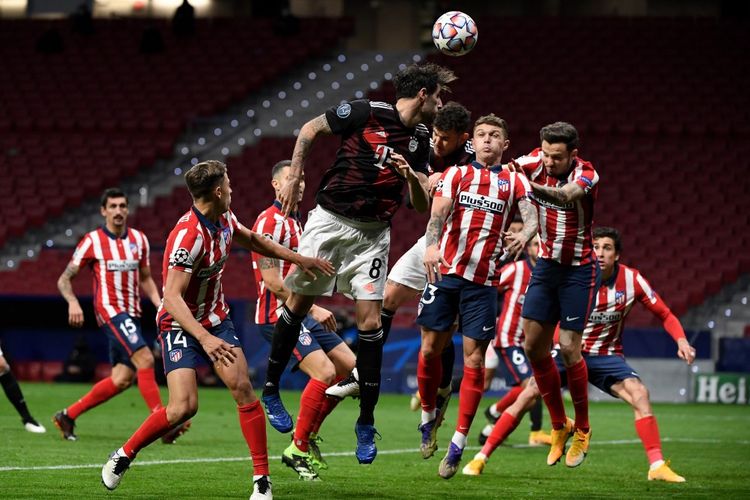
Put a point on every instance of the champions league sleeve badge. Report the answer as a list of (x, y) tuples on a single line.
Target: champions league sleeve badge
[(181, 257), (344, 110)]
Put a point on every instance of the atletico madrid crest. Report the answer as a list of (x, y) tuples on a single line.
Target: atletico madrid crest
[(175, 355), (619, 297)]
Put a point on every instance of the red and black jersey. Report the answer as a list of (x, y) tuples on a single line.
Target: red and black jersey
[(463, 155), (361, 184)]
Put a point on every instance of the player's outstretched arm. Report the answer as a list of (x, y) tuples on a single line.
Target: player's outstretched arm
[(672, 325), (175, 287), (65, 285), (418, 183), (149, 286), (289, 194), (569, 193), (441, 208), (516, 242), (256, 243)]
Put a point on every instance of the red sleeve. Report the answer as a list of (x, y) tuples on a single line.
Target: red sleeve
[(522, 189), (449, 182), (185, 248), (654, 303), (586, 176), (84, 252)]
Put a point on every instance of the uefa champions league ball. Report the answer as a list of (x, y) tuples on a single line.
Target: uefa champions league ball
[(455, 33)]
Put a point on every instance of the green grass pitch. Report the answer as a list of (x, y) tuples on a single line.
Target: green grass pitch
[(709, 445)]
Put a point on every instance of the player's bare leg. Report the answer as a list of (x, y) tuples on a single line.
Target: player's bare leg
[(578, 380), (635, 393), (369, 362), (539, 338), (429, 375), (285, 335)]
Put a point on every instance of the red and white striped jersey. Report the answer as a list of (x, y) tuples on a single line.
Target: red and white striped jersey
[(115, 270), (514, 280), (199, 247), (564, 228), (484, 203), (603, 333), (271, 224)]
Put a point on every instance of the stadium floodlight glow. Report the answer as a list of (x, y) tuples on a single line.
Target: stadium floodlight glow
[(295, 133), (341, 58), (50, 243), (241, 141), (335, 85), (402, 66), (266, 104), (326, 67), (29, 253), (234, 124), (311, 75), (711, 324), (257, 132), (201, 141), (194, 161), (683, 391), (359, 94), (250, 113), (304, 103), (297, 86), (185, 150), (289, 113), (10, 263), (728, 313), (744, 301), (225, 151), (281, 94), (695, 369), (364, 67), (388, 76), (273, 122), (177, 171), (374, 85), (68, 232), (217, 131), (350, 76), (379, 57), (320, 94), (416, 58)]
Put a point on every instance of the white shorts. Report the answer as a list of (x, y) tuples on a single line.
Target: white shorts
[(357, 250), (491, 359), (409, 268)]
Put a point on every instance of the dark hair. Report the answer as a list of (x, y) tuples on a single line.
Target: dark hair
[(609, 232), (495, 120), (453, 117), (112, 193), (413, 78), (203, 177), (560, 132), (279, 167)]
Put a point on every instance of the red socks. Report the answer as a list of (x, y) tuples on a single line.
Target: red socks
[(429, 373), (509, 398), (150, 430), (500, 432), (253, 425), (149, 389), (548, 380), (328, 405), (102, 391), (648, 431), (310, 405), (469, 396), (578, 385)]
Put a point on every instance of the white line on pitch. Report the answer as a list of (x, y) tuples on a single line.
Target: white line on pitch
[(141, 463)]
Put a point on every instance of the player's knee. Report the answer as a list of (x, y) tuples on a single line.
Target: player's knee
[(4, 366), (571, 353), (122, 382), (326, 373), (428, 350), (369, 324), (181, 412)]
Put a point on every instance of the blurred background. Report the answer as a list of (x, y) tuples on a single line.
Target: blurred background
[(131, 93)]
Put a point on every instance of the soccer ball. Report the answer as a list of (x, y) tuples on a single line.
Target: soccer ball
[(455, 33)]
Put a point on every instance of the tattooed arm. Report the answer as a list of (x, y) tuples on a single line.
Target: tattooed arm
[(289, 194), (569, 193), (65, 285), (441, 208), (516, 242)]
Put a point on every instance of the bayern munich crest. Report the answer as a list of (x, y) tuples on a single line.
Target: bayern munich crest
[(413, 144)]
